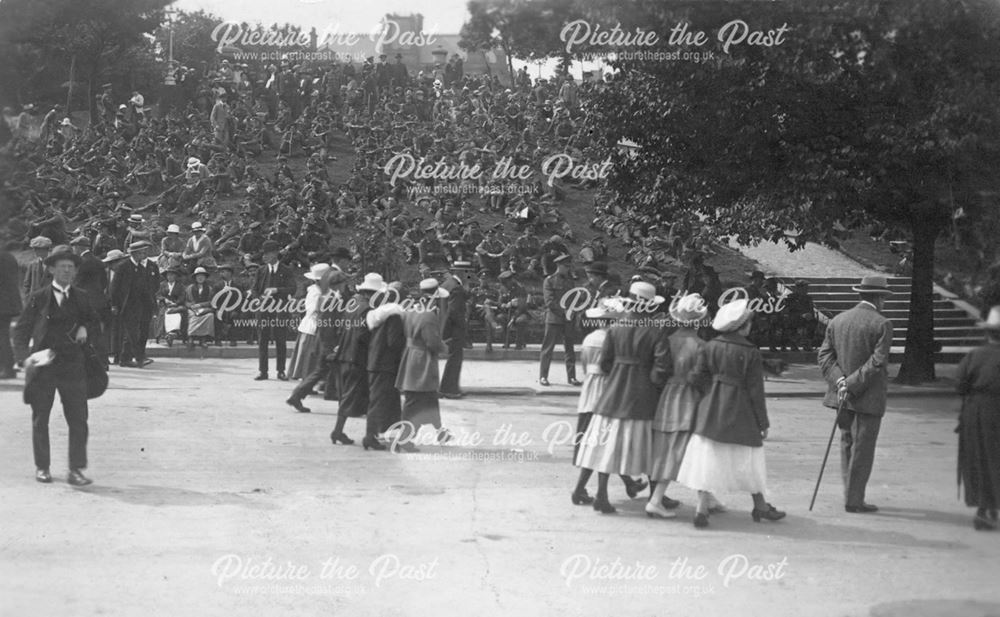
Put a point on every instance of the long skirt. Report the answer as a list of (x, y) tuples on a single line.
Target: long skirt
[(384, 405), (979, 452), (305, 357), (353, 390), (616, 445), (421, 408), (173, 323), (201, 324), (718, 467), (668, 453)]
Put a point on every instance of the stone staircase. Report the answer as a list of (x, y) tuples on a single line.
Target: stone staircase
[(954, 328)]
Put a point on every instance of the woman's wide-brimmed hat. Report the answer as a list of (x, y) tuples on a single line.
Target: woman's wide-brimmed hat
[(373, 282), (689, 309), (873, 283), (732, 316), (607, 308), (316, 271), (430, 285), (113, 255), (992, 320), (61, 253), (646, 292)]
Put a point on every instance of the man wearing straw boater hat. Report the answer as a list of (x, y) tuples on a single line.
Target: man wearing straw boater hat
[(854, 359), (57, 318)]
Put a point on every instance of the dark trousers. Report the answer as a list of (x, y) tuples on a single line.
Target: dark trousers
[(318, 374), (553, 334), (72, 387), (452, 374), (264, 336), (857, 454), (6, 352), (135, 332)]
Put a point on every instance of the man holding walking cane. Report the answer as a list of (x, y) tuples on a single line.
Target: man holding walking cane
[(854, 359)]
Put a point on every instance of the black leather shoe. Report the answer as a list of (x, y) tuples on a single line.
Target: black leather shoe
[(700, 520), (604, 506), (43, 476), (372, 444), (260, 377), (297, 404), (865, 508), (633, 487), (282, 376), (573, 381), (78, 479), (581, 498), (543, 381)]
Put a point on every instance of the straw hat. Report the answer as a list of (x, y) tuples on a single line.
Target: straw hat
[(431, 285), (137, 246), (607, 308), (689, 309), (873, 283), (199, 270), (732, 316), (373, 282), (316, 271), (173, 228), (992, 320), (197, 226)]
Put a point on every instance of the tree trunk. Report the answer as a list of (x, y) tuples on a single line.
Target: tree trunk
[(918, 358)]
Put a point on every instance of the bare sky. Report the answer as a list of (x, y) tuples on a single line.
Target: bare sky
[(347, 15)]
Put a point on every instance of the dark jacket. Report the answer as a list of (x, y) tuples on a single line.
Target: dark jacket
[(92, 277), (857, 346), (10, 295), (354, 333), (554, 288), (385, 349), (637, 362), (729, 374), (133, 286), (32, 326), (283, 280)]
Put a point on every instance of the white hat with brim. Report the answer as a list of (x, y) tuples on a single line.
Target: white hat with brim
[(607, 308), (200, 270), (113, 255), (992, 320), (431, 285), (645, 293), (689, 309), (197, 226), (40, 242), (373, 282), (732, 316), (873, 284), (193, 162), (316, 271), (173, 228)]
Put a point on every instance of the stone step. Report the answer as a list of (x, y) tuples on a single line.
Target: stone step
[(939, 322), (845, 304), (847, 289), (892, 280)]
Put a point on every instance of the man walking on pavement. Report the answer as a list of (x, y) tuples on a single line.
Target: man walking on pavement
[(454, 335), (854, 359), (558, 322)]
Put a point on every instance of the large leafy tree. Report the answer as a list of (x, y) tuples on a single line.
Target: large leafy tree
[(868, 111), (97, 38)]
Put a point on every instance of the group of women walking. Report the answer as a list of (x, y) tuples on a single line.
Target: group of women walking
[(673, 407)]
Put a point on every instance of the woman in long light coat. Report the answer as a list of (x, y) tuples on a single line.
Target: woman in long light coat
[(418, 376), (305, 358), (726, 450)]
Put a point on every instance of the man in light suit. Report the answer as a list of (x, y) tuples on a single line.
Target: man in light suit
[(854, 359)]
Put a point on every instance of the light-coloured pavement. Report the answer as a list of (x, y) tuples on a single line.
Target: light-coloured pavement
[(211, 497), (813, 260)]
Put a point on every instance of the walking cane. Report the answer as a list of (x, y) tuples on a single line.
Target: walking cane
[(833, 432)]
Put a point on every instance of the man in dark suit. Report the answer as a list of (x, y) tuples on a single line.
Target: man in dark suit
[(133, 300), (273, 285), (10, 307), (854, 359), (558, 323), (92, 277), (58, 317), (455, 334)]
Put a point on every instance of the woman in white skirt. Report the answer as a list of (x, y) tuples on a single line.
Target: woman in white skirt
[(676, 410), (636, 357), (608, 310), (726, 450), (305, 358)]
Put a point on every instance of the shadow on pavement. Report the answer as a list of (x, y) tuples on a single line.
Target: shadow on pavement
[(172, 496)]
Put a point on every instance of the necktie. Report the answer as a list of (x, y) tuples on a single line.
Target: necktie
[(61, 295)]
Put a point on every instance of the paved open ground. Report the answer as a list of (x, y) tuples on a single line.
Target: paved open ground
[(211, 497)]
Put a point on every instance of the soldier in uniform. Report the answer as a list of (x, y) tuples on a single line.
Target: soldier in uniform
[(527, 253), (800, 319), (432, 254), (513, 309), (251, 242), (490, 252), (558, 322)]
